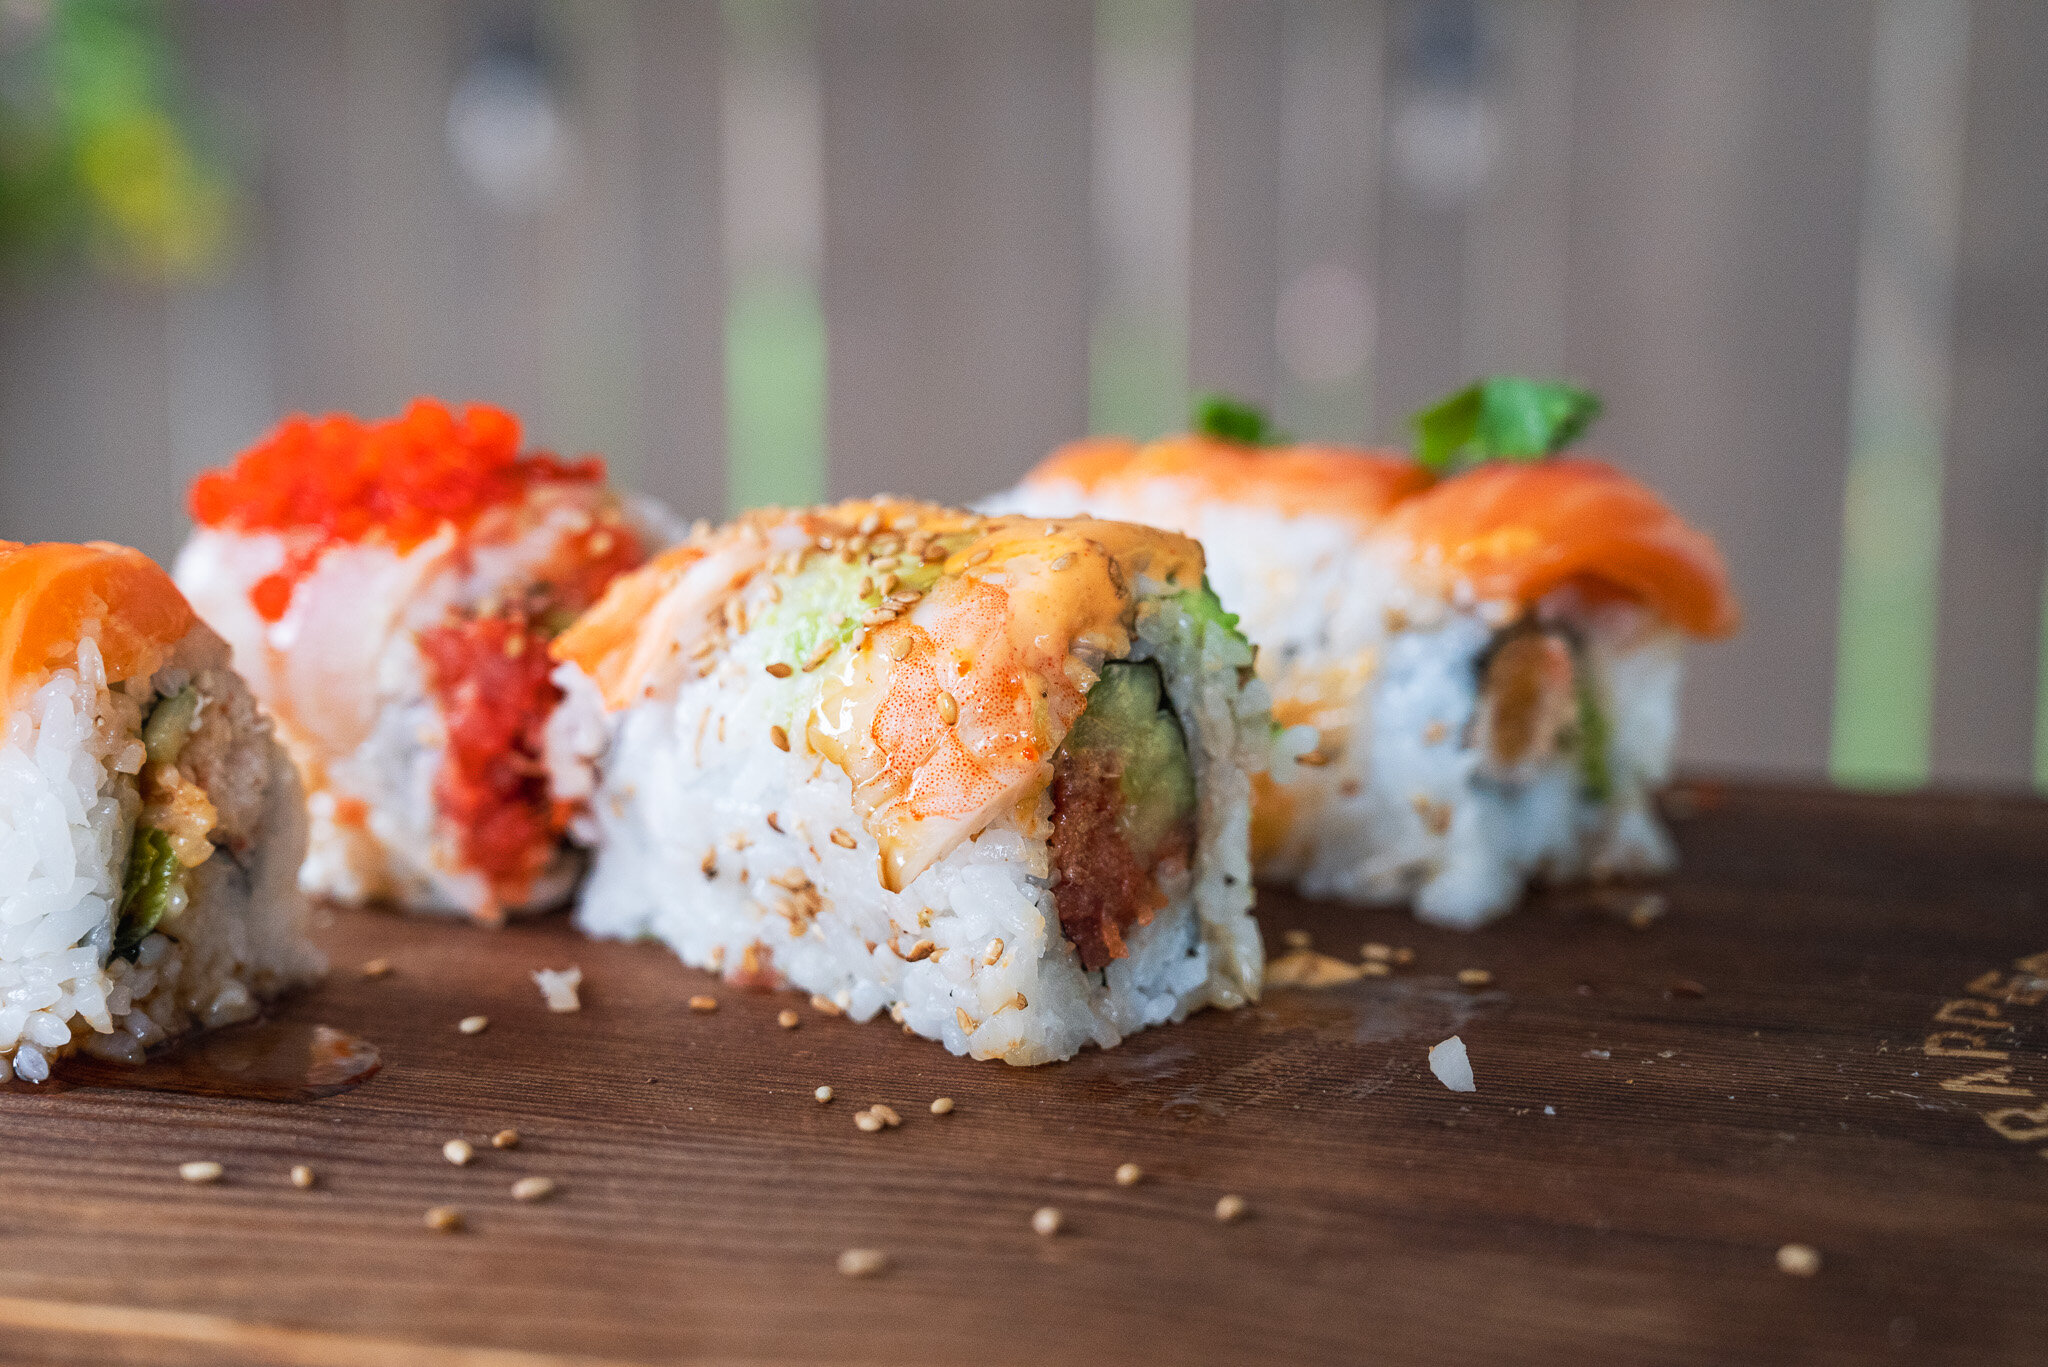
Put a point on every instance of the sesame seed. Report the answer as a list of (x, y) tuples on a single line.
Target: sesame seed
[(780, 670), (709, 864), (995, 951), (966, 1021), (458, 1152), (444, 1219), (1373, 968), (886, 1114), (1474, 977), (867, 586), (875, 617), (949, 710), (473, 1025), (820, 1002), (533, 1188), (515, 646), (897, 647), (862, 1262), (978, 557), (1062, 562), (775, 822), (1799, 1260), (1377, 952), (302, 1176), (842, 839), (601, 543), (1128, 1174), (787, 1019), (933, 552), (376, 968), (942, 1106), (820, 655), (867, 1122), (1230, 1208), (1314, 759), (505, 1139), (920, 951), (823, 1095), (870, 524), (1297, 939), (1404, 955), (701, 1002), (205, 1170), (779, 737), (1047, 1220)]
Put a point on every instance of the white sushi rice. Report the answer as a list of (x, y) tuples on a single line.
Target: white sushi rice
[(1404, 808), (68, 803), (344, 673), (735, 854)]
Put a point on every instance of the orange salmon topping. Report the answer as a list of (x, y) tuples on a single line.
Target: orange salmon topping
[(1335, 480), (1516, 532), (401, 479), (53, 593)]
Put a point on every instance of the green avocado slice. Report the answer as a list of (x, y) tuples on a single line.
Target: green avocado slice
[(1127, 717)]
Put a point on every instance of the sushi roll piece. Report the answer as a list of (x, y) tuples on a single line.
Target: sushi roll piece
[(989, 775), (390, 589), (150, 826), (1476, 649)]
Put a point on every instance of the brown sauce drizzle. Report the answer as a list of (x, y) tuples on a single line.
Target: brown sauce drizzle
[(259, 1061)]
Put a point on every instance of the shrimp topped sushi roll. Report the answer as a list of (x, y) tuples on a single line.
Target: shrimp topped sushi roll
[(390, 589), (1476, 649), (990, 775), (150, 827)]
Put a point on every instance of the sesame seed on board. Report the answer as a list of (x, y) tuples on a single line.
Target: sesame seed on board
[(1047, 1220), (459, 1152), (444, 1219), (1129, 1174), (1230, 1209), (862, 1262), (202, 1171), (942, 1106), (533, 1188), (473, 1025), (302, 1176), (505, 1139)]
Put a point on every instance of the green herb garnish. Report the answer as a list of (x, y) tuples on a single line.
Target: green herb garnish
[(1503, 417), (1228, 419), (153, 874)]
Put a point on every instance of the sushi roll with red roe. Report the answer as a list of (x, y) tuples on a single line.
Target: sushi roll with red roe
[(390, 589)]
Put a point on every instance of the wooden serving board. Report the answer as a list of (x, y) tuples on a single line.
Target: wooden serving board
[(704, 1196)]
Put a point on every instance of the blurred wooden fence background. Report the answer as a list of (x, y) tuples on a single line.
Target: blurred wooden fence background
[(794, 247)]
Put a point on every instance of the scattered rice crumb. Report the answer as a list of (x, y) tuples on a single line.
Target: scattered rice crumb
[(376, 968), (444, 1219), (1452, 1065), (1550, 1110), (787, 1019), (823, 1094), (1230, 1209), (1799, 1260), (942, 1106), (459, 1152), (302, 1176), (205, 1170), (1297, 939), (533, 1188), (862, 1262), (703, 1003), (558, 987), (1474, 977), (505, 1139), (1047, 1220), (1129, 1174), (473, 1025)]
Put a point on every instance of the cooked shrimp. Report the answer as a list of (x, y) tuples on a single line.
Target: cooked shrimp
[(1516, 532), (52, 594)]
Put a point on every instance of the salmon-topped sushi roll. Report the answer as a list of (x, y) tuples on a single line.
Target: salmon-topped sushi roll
[(990, 775), (150, 826), (1475, 647), (390, 589)]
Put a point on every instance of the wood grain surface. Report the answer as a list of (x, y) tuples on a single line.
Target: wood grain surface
[(1615, 1191)]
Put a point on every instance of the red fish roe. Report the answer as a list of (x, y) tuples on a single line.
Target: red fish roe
[(400, 480)]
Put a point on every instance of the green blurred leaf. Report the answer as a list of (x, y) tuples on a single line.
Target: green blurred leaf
[(1228, 419), (1503, 417)]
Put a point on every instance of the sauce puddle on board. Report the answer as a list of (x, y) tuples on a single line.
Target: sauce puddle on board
[(260, 1061)]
